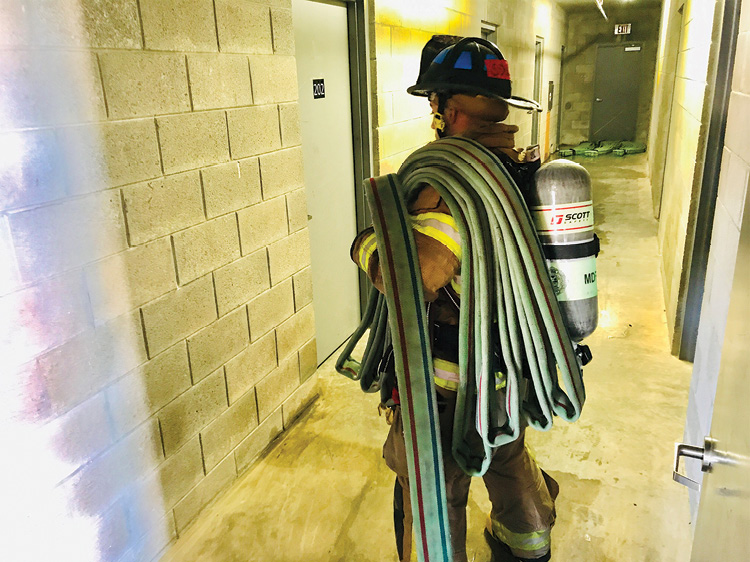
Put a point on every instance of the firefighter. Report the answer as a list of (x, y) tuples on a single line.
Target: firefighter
[(469, 89)]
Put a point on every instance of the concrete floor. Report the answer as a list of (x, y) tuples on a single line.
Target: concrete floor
[(322, 493)]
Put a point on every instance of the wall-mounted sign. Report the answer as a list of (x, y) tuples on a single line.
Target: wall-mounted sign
[(622, 28), (319, 88)]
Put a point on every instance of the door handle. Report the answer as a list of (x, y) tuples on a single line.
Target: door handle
[(598, 100), (709, 455)]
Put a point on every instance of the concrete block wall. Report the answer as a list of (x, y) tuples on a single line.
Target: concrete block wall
[(155, 290), (680, 144), (401, 122), (725, 235), (587, 29), (519, 25)]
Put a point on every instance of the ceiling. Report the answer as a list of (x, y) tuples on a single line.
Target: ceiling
[(608, 3)]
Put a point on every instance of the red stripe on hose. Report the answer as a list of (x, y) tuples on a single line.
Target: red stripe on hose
[(536, 269), (407, 374)]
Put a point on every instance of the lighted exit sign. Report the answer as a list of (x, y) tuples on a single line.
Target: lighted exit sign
[(622, 29)]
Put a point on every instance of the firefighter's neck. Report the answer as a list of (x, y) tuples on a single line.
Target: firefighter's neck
[(471, 115)]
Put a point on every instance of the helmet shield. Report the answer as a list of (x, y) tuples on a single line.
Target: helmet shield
[(470, 66)]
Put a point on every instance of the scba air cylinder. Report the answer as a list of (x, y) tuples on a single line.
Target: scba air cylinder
[(563, 212)]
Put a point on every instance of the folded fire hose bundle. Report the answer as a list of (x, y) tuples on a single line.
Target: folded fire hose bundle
[(629, 147), (577, 150), (506, 292)]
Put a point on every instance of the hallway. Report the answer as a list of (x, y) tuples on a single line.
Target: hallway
[(322, 492)]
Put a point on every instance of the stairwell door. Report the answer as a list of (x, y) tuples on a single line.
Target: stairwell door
[(323, 74), (617, 83)]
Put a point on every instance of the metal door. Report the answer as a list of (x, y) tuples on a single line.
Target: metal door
[(723, 521), (322, 48), (617, 81)]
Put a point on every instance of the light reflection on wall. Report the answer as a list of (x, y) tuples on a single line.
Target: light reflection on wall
[(75, 485)]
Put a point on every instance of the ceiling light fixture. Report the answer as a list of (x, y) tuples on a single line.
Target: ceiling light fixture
[(600, 5)]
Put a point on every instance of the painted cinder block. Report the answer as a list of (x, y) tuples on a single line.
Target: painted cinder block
[(296, 203), (36, 174), (212, 346), (270, 309), (82, 433), (289, 255), (113, 533), (253, 130), (303, 291), (274, 78), (82, 364), (190, 412), (10, 278), (112, 24), (179, 25), (43, 316), (100, 482), (308, 360), (204, 492), (243, 27), (231, 186), (283, 31), (290, 128), (193, 140), (263, 224), (140, 394), (277, 386), (180, 472), (142, 83), (27, 76), (130, 149), (55, 238), (129, 279), (178, 314), (202, 248), (250, 366), (162, 206), (218, 81), (225, 432), (300, 399), (241, 280), (291, 334), (154, 539), (258, 441), (281, 172)]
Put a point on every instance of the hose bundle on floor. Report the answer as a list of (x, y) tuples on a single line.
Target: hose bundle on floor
[(506, 294)]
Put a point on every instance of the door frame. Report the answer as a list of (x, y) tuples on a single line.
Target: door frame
[(359, 78), (538, 81), (697, 247)]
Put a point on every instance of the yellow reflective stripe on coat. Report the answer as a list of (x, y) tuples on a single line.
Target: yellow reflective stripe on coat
[(528, 542), (501, 380), (446, 374), (366, 249), (440, 227)]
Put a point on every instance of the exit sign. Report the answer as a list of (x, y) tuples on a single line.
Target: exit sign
[(622, 29)]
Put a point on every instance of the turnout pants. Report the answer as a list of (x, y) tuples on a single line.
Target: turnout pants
[(522, 495)]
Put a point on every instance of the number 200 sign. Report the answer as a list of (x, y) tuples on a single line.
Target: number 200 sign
[(319, 89)]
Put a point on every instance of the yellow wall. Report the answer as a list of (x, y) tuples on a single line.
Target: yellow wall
[(399, 30), (678, 144)]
